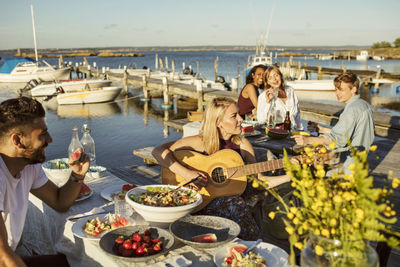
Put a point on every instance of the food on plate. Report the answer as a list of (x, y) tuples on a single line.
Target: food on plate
[(59, 165), (206, 238), (138, 244), (96, 226), (299, 133), (125, 188), (236, 258), (85, 190), (165, 197), (248, 129), (276, 133)]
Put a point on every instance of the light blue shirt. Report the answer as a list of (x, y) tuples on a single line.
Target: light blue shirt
[(355, 123)]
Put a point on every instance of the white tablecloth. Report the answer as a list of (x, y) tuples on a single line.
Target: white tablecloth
[(47, 231)]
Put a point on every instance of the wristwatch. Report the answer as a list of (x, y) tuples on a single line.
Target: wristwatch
[(75, 179)]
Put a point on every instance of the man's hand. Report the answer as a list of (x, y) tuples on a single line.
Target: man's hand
[(79, 165), (301, 139)]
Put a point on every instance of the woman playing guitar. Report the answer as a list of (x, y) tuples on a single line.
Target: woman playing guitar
[(221, 129)]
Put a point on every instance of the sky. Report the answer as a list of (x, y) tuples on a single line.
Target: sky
[(132, 23)]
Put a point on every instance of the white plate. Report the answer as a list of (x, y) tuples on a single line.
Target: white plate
[(108, 191), (85, 197), (252, 134), (275, 256), (77, 227)]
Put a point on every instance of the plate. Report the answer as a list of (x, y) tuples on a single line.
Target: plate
[(77, 227), (108, 191), (247, 123), (107, 241), (256, 132), (85, 197), (187, 227), (275, 256)]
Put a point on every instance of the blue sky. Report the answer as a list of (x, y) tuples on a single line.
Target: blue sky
[(99, 23)]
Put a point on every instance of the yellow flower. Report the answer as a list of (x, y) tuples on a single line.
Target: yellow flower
[(255, 183), (351, 167), (293, 210), (333, 222), (320, 173), (317, 232), (325, 232), (359, 214), (323, 150), (395, 182), (333, 231), (271, 215), (390, 172), (373, 148), (290, 215), (289, 229), (337, 199), (348, 196), (307, 149), (319, 250), (296, 221), (332, 145), (299, 245)]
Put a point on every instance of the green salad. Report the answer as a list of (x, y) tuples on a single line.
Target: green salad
[(165, 197)]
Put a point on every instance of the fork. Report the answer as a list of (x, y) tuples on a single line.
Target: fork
[(95, 210), (191, 181)]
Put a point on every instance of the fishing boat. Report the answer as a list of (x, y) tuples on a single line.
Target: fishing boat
[(99, 95), (51, 88), (363, 56), (24, 69), (261, 57)]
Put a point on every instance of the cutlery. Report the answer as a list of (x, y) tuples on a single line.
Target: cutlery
[(95, 210), (191, 181), (252, 246)]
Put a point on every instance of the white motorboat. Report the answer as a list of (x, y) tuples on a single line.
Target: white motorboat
[(313, 89), (50, 88), (100, 95), (19, 70), (261, 57), (363, 56)]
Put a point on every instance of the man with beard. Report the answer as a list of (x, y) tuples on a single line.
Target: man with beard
[(23, 141)]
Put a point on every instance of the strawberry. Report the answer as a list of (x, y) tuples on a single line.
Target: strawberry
[(137, 237), (127, 244), (228, 260), (156, 248), (140, 251), (119, 240), (127, 187), (155, 240), (135, 245), (147, 232), (146, 239)]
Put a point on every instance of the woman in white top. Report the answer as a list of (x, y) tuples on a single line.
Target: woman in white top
[(286, 100)]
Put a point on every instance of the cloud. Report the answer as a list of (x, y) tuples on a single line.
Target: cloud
[(110, 26)]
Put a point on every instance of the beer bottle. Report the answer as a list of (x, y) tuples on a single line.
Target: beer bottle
[(287, 124)]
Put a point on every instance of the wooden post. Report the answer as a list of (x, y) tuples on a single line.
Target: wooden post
[(290, 60), (166, 63), (167, 104), (348, 56), (156, 63), (89, 73), (198, 68), (144, 88), (173, 66), (161, 65), (234, 84), (199, 89), (215, 68), (183, 66), (103, 72), (148, 73), (319, 74), (125, 81)]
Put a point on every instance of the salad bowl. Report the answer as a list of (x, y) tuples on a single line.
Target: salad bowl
[(162, 214)]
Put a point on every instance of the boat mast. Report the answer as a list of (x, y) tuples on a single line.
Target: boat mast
[(34, 35)]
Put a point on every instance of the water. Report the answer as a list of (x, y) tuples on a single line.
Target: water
[(127, 124)]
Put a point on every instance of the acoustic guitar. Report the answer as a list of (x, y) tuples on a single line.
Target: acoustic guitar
[(226, 170)]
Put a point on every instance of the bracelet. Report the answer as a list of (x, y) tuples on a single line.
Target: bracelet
[(73, 178)]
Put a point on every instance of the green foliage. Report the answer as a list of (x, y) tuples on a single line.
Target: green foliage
[(382, 44), (396, 42)]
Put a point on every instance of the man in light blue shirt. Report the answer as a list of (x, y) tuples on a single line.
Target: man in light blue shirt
[(355, 123)]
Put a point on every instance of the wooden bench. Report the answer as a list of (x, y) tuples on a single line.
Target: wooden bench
[(145, 154)]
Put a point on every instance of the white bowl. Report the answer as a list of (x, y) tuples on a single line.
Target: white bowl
[(160, 214), (96, 172), (58, 175)]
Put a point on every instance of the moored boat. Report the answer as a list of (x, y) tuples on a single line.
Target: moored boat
[(105, 94), (19, 70), (50, 88)]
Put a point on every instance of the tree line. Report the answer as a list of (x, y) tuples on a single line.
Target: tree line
[(385, 44)]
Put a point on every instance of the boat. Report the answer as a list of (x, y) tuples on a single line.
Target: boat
[(261, 57), (24, 69), (378, 58), (363, 56), (100, 95), (325, 57), (313, 89), (50, 88)]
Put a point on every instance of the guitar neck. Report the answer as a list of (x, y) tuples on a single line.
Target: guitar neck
[(248, 169)]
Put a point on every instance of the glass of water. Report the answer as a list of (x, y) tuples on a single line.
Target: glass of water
[(122, 208)]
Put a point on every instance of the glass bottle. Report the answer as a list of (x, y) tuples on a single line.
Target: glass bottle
[(271, 114), (287, 125), (88, 144), (74, 142)]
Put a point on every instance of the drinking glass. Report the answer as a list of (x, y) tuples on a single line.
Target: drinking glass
[(122, 208)]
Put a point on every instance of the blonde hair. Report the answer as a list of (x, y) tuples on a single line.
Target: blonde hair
[(266, 75), (215, 111)]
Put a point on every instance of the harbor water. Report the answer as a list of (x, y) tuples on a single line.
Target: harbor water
[(127, 124)]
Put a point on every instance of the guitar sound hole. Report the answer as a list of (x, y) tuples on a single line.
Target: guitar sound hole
[(218, 175)]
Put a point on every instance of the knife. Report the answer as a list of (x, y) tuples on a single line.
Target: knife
[(95, 210), (252, 247)]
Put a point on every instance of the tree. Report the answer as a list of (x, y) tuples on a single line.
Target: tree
[(382, 44), (396, 42)]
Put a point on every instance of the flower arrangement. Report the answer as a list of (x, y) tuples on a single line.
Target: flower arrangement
[(342, 207)]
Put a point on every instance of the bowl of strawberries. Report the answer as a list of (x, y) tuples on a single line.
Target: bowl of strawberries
[(137, 243)]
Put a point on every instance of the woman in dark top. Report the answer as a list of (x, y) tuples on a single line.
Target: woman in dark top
[(221, 128), (248, 98)]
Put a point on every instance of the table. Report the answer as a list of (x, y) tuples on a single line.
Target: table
[(47, 231)]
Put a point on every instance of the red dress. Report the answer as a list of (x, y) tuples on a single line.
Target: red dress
[(244, 104)]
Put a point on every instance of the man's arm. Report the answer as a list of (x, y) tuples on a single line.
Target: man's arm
[(8, 257)]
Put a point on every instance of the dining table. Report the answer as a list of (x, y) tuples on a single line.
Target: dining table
[(48, 231)]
